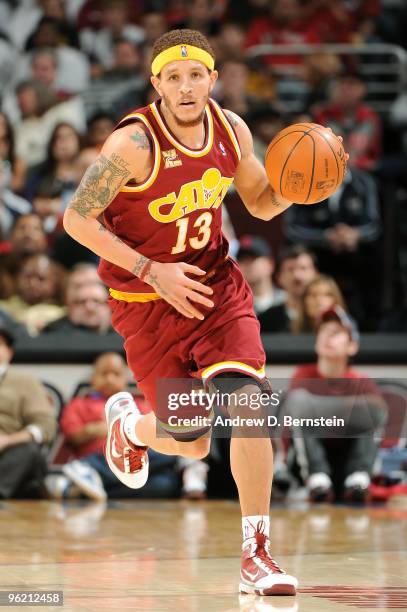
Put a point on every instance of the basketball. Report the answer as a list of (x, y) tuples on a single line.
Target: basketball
[(305, 163)]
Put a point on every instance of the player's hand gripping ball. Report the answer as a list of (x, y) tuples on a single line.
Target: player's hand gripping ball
[(305, 163)]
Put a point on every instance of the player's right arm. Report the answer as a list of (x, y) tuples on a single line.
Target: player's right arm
[(126, 155)]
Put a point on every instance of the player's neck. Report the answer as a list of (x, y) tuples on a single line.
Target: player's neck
[(192, 137), (332, 368)]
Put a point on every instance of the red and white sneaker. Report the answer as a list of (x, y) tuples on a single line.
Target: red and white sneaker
[(260, 574), (128, 462)]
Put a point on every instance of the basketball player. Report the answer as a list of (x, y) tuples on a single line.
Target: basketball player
[(182, 307)]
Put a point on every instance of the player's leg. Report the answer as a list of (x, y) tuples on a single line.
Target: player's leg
[(251, 459)]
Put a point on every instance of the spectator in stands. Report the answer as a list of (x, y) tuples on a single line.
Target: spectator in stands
[(98, 45), (231, 88), (321, 294), (120, 86), (48, 204), (201, 15), (8, 154), (355, 121), (232, 39), (12, 206), (26, 422), (296, 266), (60, 163), (257, 264), (344, 233), (84, 426), (40, 114), (333, 464), (27, 237), (154, 25), (283, 26), (100, 125), (266, 121), (38, 294), (83, 274), (87, 311)]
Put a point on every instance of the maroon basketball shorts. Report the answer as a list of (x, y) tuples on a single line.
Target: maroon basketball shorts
[(160, 343)]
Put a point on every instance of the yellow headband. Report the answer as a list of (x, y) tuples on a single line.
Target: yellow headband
[(181, 52)]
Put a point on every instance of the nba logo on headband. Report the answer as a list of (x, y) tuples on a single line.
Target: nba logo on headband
[(184, 52)]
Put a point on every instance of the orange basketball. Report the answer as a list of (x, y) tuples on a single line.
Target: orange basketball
[(305, 163)]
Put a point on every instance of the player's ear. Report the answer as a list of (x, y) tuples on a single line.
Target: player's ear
[(156, 83), (213, 75)]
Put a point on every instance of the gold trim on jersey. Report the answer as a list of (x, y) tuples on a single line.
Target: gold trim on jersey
[(178, 145), (221, 114), (157, 156), (123, 296), (233, 365)]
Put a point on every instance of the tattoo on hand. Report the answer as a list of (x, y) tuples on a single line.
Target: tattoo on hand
[(153, 281), (100, 184), (141, 139), (139, 265)]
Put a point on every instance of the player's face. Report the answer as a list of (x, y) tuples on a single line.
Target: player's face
[(333, 341), (184, 87)]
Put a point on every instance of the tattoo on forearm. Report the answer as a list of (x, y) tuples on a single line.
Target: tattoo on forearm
[(100, 184), (141, 139), (139, 265), (273, 198), (232, 118)]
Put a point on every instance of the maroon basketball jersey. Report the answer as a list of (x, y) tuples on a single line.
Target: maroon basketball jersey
[(175, 215)]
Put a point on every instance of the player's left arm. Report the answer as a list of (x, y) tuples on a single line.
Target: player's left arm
[(251, 181)]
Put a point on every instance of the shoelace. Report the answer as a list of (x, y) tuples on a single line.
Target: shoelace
[(135, 458)]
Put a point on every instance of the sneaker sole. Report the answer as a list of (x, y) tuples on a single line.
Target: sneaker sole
[(276, 589), (84, 486), (133, 481)]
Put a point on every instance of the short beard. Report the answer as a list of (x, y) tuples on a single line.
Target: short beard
[(181, 122)]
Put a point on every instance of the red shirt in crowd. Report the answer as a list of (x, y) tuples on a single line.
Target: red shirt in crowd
[(352, 382), (83, 410), (361, 132), (264, 31)]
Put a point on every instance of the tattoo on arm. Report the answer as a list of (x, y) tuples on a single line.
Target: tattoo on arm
[(273, 198), (139, 265), (153, 281), (141, 139), (100, 184), (232, 118)]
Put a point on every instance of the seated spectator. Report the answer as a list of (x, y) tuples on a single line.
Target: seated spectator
[(8, 155), (38, 292), (121, 85), (83, 274), (99, 44), (200, 15), (100, 126), (231, 87), (40, 113), (283, 26), (335, 465), (355, 121), (257, 264), (84, 427), (154, 25), (265, 122), (60, 163), (87, 311), (321, 293), (343, 22), (231, 39), (344, 233), (27, 237), (12, 206), (48, 204), (295, 268), (26, 422)]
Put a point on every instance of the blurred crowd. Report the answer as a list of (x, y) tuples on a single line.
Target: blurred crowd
[(69, 71)]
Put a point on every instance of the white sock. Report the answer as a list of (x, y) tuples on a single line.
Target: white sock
[(250, 524), (129, 428)]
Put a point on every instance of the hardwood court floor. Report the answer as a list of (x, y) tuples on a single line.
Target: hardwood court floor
[(184, 556)]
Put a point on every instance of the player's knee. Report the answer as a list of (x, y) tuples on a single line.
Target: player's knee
[(197, 449)]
